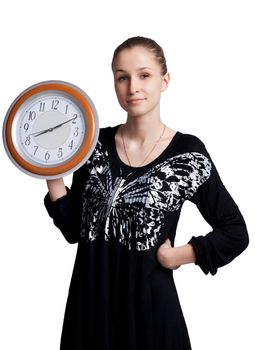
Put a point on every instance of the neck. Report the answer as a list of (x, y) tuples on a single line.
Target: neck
[(142, 130)]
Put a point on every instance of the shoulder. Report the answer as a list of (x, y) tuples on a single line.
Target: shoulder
[(187, 143), (107, 133), (191, 141)]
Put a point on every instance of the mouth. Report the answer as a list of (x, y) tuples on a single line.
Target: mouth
[(135, 101)]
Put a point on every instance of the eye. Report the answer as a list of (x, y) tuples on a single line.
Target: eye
[(144, 76), (122, 78)]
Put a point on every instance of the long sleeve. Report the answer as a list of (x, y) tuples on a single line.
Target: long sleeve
[(229, 236), (66, 211)]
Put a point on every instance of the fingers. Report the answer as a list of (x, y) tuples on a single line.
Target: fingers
[(168, 242)]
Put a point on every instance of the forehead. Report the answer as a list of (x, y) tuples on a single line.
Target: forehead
[(134, 59)]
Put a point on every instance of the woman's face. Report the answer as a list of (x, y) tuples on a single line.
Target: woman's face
[(138, 81)]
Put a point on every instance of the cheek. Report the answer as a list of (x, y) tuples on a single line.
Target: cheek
[(117, 92), (155, 90), (155, 85), (119, 89), (120, 96)]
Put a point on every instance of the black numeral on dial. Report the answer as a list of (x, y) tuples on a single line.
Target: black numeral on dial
[(54, 104), (47, 156), (60, 152), (36, 148), (31, 115), (71, 145), (26, 126), (28, 141), (42, 107)]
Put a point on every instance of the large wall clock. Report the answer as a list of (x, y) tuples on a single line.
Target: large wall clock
[(50, 129)]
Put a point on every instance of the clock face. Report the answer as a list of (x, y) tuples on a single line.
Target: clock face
[(50, 129)]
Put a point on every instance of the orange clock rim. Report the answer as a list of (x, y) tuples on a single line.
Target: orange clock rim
[(85, 148)]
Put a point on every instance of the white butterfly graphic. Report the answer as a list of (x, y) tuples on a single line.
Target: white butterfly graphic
[(133, 209)]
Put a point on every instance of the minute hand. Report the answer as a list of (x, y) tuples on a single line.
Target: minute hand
[(53, 128)]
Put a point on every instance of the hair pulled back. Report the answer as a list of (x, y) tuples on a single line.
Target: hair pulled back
[(147, 43)]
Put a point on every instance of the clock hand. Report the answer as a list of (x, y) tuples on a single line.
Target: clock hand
[(67, 121), (38, 133)]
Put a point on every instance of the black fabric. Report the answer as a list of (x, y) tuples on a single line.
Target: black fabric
[(120, 297)]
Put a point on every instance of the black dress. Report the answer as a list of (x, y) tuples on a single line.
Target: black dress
[(120, 297)]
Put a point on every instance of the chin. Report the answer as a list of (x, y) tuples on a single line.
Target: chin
[(142, 112), (137, 111), (135, 114)]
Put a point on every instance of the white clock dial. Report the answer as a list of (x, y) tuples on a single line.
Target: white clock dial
[(50, 129)]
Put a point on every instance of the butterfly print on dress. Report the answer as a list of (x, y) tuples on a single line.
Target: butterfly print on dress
[(132, 210)]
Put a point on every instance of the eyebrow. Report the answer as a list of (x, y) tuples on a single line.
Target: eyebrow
[(139, 69)]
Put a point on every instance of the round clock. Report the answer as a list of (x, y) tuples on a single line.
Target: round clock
[(50, 129)]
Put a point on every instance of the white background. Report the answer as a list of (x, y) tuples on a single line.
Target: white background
[(209, 47)]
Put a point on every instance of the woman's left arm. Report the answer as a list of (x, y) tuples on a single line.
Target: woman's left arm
[(228, 238)]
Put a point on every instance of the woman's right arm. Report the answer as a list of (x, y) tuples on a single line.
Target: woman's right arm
[(64, 206), (56, 189)]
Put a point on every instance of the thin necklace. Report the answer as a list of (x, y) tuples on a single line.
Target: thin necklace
[(147, 156)]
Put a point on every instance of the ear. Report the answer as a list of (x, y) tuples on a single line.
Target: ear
[(165, 81)]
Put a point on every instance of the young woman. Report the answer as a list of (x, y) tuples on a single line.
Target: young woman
[(123, 209)]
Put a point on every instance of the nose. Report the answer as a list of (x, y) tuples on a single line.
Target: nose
[(133, 86)]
